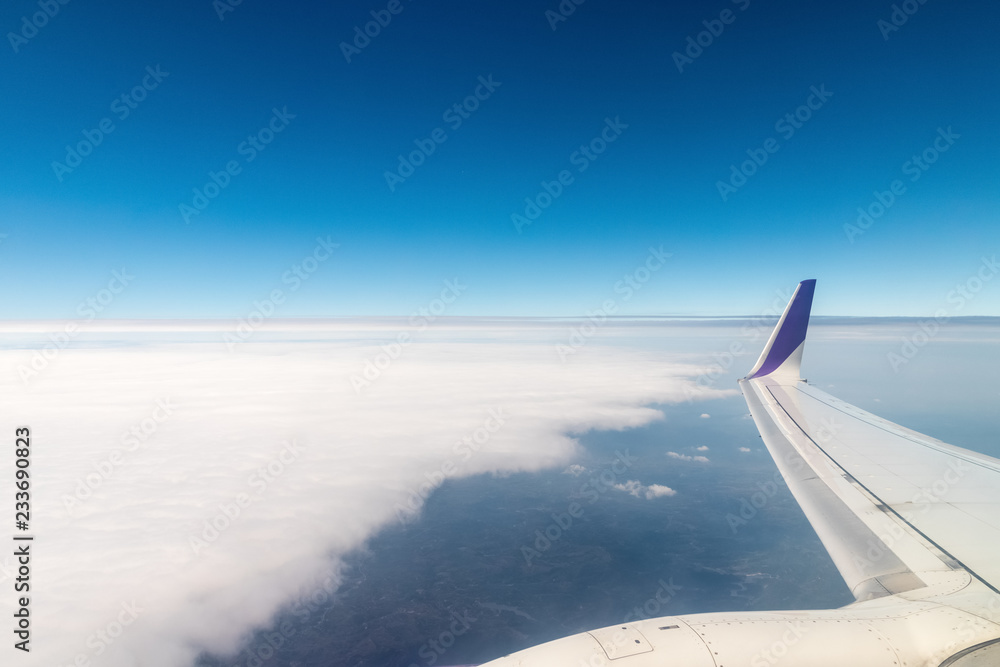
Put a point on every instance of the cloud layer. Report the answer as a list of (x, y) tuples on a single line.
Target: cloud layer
[(185, 493)]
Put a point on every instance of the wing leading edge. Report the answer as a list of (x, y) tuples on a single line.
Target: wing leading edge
[(897, 510)]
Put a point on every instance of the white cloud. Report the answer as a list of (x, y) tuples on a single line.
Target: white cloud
[(638, 490), (744, 449), (703, 448), (705, 415), (685, 457), (576, 470), (356, 460), (658, 490)]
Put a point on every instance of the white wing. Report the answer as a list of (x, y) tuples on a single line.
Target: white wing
[(912, 524), (894, 508)]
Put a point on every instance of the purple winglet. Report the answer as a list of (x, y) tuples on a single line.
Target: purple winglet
[(793, 329)]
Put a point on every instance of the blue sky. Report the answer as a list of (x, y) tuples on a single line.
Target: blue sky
[(892, 94)]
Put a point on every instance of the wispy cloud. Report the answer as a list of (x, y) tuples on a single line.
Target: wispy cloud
[(639, 490), (686, 457)]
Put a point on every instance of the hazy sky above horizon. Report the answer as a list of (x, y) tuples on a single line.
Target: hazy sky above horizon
[(203, 152)]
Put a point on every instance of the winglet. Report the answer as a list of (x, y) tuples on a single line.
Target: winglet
[(782, 355)]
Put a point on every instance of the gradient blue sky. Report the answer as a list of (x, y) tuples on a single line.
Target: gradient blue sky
[(656, 185)]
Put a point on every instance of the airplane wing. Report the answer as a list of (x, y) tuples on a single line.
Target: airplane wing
[(913, 525), (896, 510)]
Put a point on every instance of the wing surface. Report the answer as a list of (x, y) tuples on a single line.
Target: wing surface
[(897, 510)]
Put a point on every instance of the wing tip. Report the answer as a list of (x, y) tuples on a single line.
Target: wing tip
[(783, 353)]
